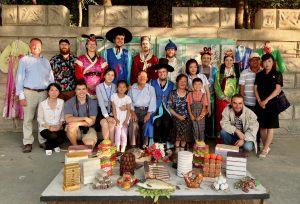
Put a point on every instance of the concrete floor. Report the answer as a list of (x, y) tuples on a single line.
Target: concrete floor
[(24, 176)]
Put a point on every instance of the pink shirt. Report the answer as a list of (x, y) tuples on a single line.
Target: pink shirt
[(198, 96)]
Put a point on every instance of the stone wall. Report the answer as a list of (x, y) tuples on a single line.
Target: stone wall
[(287, 40)]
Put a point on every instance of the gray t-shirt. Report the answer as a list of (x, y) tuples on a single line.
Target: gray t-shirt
[(70, 108)]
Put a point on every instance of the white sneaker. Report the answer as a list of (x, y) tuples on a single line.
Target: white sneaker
[(48, 152), (57, 149)]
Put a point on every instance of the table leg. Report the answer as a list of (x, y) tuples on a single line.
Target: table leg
[(262, 201)]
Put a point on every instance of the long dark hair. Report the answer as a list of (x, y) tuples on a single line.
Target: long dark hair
[(187, 66)]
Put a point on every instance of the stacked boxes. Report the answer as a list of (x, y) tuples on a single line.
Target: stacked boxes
[(236, 165), (212, 165), (199, 150), (80, 148), (223, 149), (71, 177), (75, 157), (90, 167)]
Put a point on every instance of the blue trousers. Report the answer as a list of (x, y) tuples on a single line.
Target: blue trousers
[(230, 139)]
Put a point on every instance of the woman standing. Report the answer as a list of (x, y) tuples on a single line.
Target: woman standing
[(267, 86), (226, 85), (210, 71), (182, 130), (104, 91), (50, 118)]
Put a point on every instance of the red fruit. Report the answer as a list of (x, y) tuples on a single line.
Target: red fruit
[(219, 157), (206, 156), (213, 156)]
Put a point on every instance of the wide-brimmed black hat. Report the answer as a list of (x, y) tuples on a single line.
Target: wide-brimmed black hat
[(112, 33), (163, 63)]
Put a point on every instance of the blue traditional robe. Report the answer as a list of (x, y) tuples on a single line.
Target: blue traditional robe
[(242, 56)]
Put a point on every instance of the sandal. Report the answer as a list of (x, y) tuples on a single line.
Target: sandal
[(264, 154)]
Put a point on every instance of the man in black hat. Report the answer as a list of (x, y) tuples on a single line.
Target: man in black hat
[(63, 69), (162, 120), (117, 57)]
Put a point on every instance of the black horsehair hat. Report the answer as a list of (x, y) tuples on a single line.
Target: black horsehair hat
[(163, 63), (112, 33)]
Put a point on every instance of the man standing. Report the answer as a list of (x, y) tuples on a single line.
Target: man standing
[(63, 69), (144, 61), (119, 58), (246, 83), (33, 76), (239, 125), (80, 115), (171, 50), (162, 120)]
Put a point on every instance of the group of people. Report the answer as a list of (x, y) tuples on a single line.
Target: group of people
[(145, 99)]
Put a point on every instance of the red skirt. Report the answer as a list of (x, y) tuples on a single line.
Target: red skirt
[(220, 105)]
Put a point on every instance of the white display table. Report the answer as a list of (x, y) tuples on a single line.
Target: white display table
[(54, 192)]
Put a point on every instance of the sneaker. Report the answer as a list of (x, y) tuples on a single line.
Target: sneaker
[(56, 149), (48, 152), (27, 148)]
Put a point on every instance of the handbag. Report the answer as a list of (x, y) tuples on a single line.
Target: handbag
[(281, 103)]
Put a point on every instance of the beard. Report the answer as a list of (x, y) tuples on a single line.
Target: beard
[(64, 51)]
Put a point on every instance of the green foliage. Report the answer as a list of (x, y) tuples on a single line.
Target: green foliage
[(154, 194)]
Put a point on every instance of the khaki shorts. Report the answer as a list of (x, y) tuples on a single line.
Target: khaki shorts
[(91, 135)]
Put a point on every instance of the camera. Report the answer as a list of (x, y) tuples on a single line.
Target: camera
[(84, 129)]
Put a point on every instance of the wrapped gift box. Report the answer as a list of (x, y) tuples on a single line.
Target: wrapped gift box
[(236, 165)]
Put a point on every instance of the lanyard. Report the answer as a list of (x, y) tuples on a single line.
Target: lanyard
[(108, 97)]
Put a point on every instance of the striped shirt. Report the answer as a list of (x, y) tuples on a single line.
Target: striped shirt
[(247, 79)]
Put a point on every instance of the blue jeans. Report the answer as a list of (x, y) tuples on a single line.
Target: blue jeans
[(230, 139)]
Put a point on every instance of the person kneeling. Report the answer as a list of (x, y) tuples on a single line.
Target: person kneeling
[(80, 115), (239, 125)]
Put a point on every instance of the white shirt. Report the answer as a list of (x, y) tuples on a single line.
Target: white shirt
[(119, 102), (204, 82), (48, 115)]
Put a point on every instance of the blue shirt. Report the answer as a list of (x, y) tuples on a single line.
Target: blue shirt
[(104, 97), (33, 73), (81, 110), (143, 98)]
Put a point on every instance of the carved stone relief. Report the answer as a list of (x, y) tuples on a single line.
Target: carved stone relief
[(204, 17), (32, 15), (58, 15), (288, 19), (140, 16), (227, 17), (180, 17), (9, 15), (118, 16), (96, 15)]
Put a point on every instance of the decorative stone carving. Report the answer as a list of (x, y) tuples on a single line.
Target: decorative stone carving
[(265, 18), (288, 18), (180, 17), (58, 15), (9, 15), (204, 17), (32, 15), (139, 15), (118, 16), (227, 17), (96, 15), (292, 65)]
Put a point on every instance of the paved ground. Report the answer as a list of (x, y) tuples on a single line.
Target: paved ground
[(24, 176)]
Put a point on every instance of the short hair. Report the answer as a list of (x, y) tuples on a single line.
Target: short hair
[(180, 76), (56, 85), (36, 39), (197, 80), (139, 73), (269, 56), (119, 33), (122, 82), (187, 65), (109, 70), (237, 96), (80, 82)]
